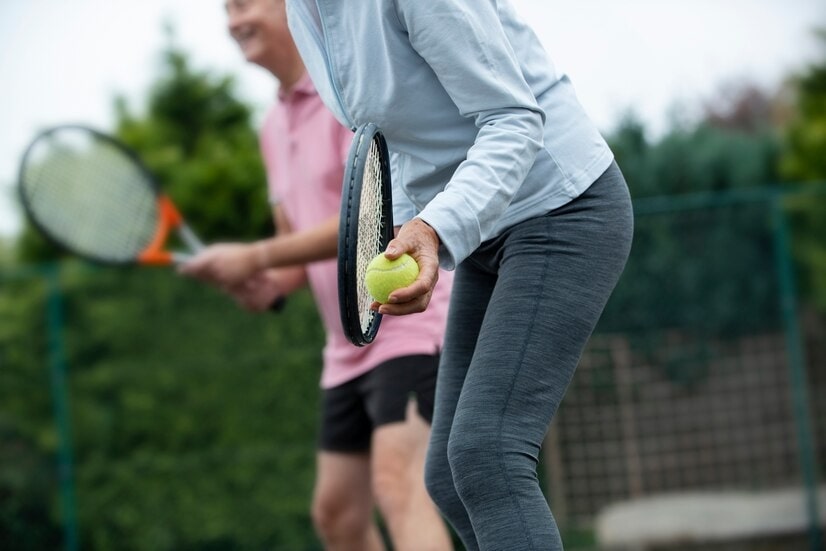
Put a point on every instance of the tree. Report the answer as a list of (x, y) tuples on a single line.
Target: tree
[(680, 252), (735, 145), (28, 484), (193, 421), (197, 139), (804, 161)]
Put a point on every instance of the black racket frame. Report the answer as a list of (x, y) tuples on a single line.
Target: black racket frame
[(349, 279), (44, 134)]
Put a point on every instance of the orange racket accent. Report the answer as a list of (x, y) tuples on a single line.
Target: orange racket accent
[(168, 218)]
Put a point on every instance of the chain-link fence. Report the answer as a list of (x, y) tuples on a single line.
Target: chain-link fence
[(695, 411), (696, 419)]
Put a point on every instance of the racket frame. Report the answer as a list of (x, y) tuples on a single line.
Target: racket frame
[(349, 280), (168, 215)]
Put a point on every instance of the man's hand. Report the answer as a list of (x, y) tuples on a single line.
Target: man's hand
[(258, 293), (226, 265)]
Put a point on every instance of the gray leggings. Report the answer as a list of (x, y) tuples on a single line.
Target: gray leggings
[(523, 307)]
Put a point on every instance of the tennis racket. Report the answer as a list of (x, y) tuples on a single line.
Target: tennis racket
[(91, 195), (365, 229)]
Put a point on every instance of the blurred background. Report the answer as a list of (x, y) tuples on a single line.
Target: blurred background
[(142, 412)]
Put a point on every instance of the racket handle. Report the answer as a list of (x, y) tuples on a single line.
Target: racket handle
[(278, 304), (192, 241), (181, 258)]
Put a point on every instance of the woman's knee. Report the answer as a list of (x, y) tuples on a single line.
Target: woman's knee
[(477, 462)]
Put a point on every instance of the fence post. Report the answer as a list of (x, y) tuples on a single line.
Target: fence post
[(797, 367), (60, 401)]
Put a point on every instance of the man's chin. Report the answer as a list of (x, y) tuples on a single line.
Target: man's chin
[(253, 56)]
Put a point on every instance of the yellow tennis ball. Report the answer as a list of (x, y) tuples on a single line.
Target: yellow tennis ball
[(385, 276)]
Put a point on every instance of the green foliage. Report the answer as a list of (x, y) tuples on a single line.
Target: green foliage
[(196, 427), (709, 258), (33, 248), (193, 422), (7, 256), (709, 267), (197, 139), (26, 488), (703, 158), (804, 160), (27, 474)]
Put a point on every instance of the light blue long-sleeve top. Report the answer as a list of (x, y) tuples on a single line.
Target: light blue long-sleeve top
[(483, 131)]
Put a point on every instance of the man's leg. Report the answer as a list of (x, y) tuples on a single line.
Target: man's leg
[(343, 503), (398, 481), (398, 397)]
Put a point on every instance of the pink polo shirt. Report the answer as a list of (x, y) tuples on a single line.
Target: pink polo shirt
[(304, 149)]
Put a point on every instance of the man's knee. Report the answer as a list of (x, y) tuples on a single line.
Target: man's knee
[(335, 518), (398, 462), (394, 480)]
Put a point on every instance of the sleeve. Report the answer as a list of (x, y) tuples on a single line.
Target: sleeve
[(466, 45)]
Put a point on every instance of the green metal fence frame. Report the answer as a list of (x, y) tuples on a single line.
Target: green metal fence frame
[(774, 196), (59, 388)]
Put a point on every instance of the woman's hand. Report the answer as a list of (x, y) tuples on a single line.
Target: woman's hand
[(420, 241)]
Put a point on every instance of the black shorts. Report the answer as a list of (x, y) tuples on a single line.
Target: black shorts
[(352, 411)]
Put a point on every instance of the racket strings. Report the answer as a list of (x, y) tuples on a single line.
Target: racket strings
[(370, 229), (90, 195)]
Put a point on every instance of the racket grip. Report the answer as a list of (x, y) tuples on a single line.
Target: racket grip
[(192, 241), (278, 304)]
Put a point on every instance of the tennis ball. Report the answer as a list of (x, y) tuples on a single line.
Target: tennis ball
[(385, 276)]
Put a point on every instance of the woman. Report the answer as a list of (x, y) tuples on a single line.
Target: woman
[(510, 184)]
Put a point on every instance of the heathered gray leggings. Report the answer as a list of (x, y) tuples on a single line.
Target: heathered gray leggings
[(523, 306)]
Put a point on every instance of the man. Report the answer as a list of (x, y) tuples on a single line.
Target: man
[(373, 435)]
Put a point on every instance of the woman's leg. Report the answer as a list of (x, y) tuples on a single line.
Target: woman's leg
[(469, 298), (555, 274)]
